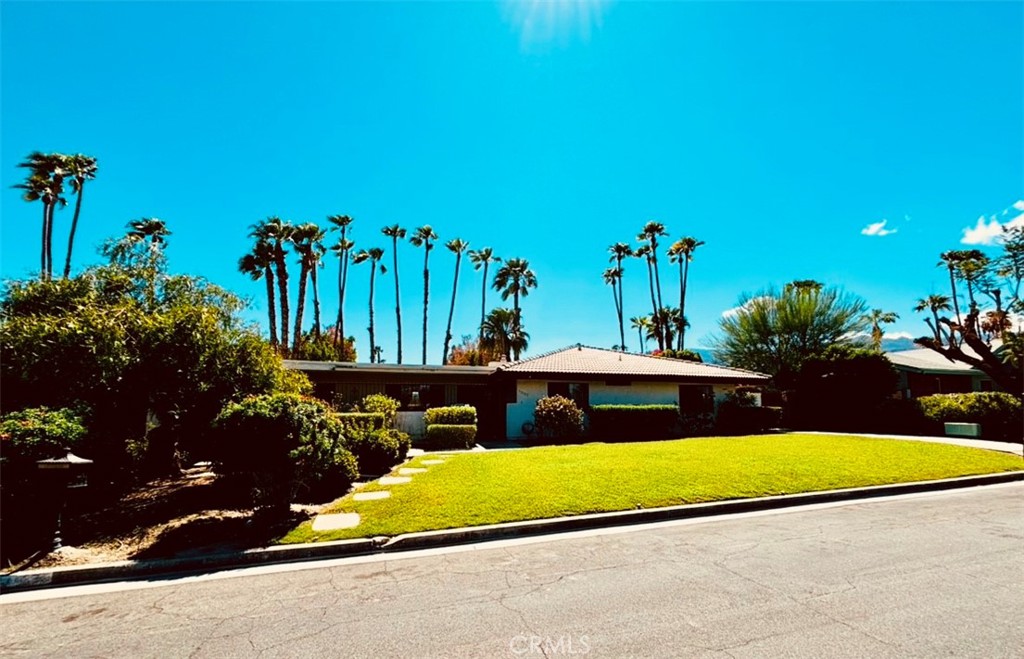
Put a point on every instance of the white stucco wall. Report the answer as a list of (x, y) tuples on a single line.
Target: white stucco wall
[(528, 392)]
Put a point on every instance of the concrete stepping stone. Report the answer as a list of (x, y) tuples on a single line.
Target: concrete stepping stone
[(336, 521), (433, 462), (406, 471), (394, 480), (371, 496)]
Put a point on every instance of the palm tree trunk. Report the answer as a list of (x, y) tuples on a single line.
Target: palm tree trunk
[(654, 306), (74, 227), (640, 334), (398, 298), (316, 300), (268, 276), (682, 305), (373, 345), (42, 242), (49, 243), (483, 306), (451, 311), (282, 286), (339, 322), (622, 327), (657, 277), (952, 285), (426, 298), (300, 309), (516, 326)]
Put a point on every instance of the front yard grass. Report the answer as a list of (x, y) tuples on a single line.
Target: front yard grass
[(472, 489)]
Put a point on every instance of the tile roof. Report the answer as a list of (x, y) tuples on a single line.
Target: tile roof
[(924, 359), (585, 360)]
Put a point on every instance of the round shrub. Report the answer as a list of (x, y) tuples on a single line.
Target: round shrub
[(999, 414), (442, 436), (381, 404), (558, 417), (287, 445), (377, 451), (452, 415)]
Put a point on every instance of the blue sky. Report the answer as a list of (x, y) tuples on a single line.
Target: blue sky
[(775, 132)]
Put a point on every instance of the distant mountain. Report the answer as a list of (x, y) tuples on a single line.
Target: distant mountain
[(894, 345)]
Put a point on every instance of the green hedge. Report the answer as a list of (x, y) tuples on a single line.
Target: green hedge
[(632, 423), (377, 450), (361, 421), (738, 419), (453, 415), (999, 414), (451, 436)]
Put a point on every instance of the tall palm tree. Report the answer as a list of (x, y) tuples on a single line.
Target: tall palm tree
[(373, 256), (641, 324), (424, 237), (45, 183), (149, 229), (681, 252), (308, 241), (278, 233), (619, 252), (500, 335), (877, 318), (483, 258), (515, 278), (651, 232), (935, 304), (951, 260), (81, 168), (456, 246), (394, 232), (613, 277), (259, 264), (644, 252), (665, 323), (341, 249)]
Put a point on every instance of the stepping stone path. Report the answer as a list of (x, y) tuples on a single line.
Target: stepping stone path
[(336, 521), (408, 471), (394, 480), (371, 496)]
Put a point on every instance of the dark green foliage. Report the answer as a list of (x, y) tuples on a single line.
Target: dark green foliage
[(377, 450), (325, 347), (39, 433), (381, 404), (999, 414), (453, 415), (843, 389), (737, 415), (361, 421), (684, 355), (442, 436), (558, 417), (284, 445), (630, 423)]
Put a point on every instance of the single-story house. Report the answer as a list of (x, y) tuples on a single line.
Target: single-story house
[(505, 393), (924, 372)]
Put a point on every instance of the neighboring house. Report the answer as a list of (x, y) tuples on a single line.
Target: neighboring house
[(924, 372), (504, 394), (596, 376)]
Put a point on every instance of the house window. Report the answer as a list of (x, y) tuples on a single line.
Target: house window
[(696, 398), (578, 392), (417, 396)]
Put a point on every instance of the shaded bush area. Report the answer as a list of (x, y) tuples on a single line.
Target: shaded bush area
[(558, 417), (381, 404), (441, 436), (377, 450), (354, 422), (737, 418), (634, 422), (451, 415), (999, 414)]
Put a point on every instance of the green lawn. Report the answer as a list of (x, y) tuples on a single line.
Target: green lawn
[(470, 489)]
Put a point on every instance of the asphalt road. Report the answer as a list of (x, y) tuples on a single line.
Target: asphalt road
[(925, 575)]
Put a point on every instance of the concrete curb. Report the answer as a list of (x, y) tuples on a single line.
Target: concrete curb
[(170, 568)]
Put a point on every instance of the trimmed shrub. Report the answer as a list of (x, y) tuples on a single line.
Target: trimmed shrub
[(632, 423), (451, 436), (378, 450), (452, 415), (360, 421), (737, 415), (381, 404), (999, 414), (558, 417), (285, 445)]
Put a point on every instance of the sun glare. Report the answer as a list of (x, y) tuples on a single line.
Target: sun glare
[(543, 22)]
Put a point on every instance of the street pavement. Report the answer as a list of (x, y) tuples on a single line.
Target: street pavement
[(925, 575)]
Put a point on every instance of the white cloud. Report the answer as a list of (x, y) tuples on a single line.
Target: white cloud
[(899, 335), (877, 229), (988, 230), (729, 313)]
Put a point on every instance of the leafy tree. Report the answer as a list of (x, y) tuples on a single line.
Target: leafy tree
[(620, 252), (80, 168), (472, 353), (424, 237), (515, 278), (876, 318), (342, 249), (843, 388), (775, 332), (681, 252), (373, 256), (395, 232), (483, 258), (458, 247)]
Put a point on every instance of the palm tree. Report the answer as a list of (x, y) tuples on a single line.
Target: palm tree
[(424, 237), (373, 255), (934, 303), (308, 241), (681, 252), (650, 233), (500, 336), (482, 258), (44, 183), (613, 277), (259, 264), (877, 318), (641, 324), (81, 168), (644, 252), (394, 232), (951, 259), (619, 252), (515, 278), (341, 249), (149, 229), (456, 246), (664, 324), (278, 234)]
